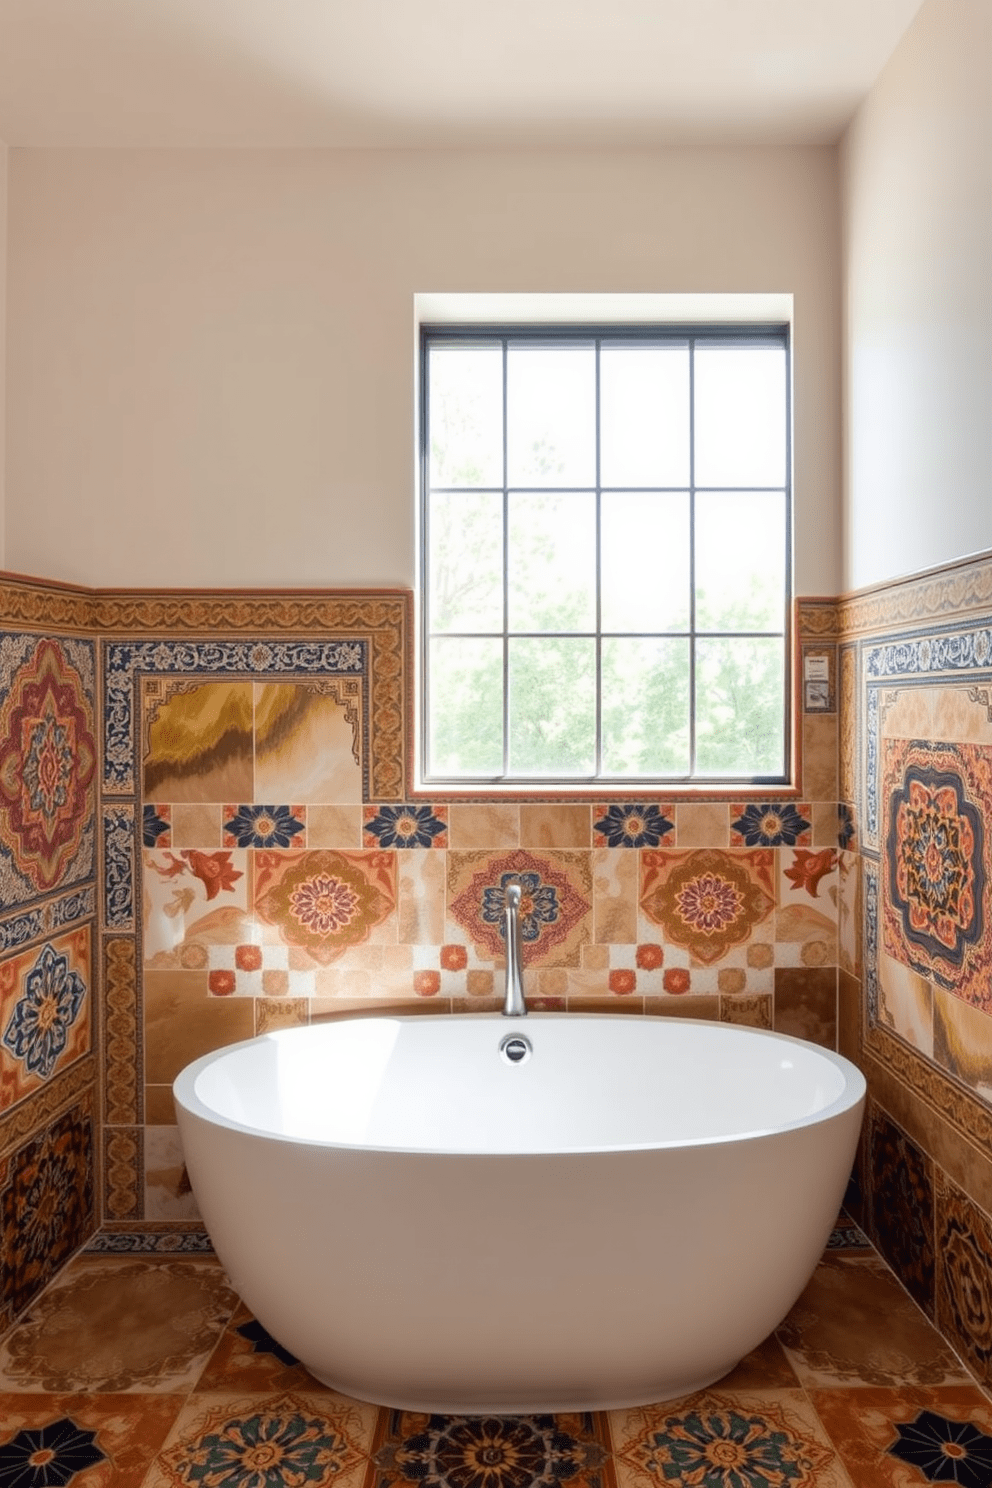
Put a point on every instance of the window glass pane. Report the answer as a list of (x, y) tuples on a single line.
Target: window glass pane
[(644, 413), (466, 560), (644, 560), (552, 718), (645, 707), (466, 707), (739, 421), (551, 416), (551, 560), (740, 560), (466, 415), (740, 715)]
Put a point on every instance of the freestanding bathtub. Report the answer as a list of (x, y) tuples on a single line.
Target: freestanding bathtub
[(613, 1217)]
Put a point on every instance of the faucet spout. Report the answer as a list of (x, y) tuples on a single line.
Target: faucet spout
[(514, 1003)]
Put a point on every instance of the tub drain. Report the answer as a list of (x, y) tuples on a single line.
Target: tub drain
[(515, 1048)]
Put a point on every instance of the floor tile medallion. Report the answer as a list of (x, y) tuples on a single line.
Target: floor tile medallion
[(760, 1439), (413, 1450), (287, 1440), (81, 1441), (47, 764), (708, 901), (116, 1326), (555, 903), (902, 1438)]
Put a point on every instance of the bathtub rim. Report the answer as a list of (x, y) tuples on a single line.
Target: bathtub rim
[(853, 1093)]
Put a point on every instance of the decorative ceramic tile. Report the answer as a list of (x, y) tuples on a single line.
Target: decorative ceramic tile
[(902, 1206), (615, 884), (707, 901), (182, 1021), (156, 825), (819, 742), (962, 1041), (122, 1044), (248, 1359), (120, 1326), (413, 1450), (266, 1441), (555, 904), (118, 866), (323, 902), (770, 824), (484, 824), (753, 1010), (168, 1194), (636, 825), (905, 1004), (849, 912), (197, 740), (197, 825), (702, 824), (405, 826), (46, 1207), (964, 1277), (935, 899), (123, 1176), (194, 897), (720, 1440), (903, 1437), (86, 1441), (45, 1013), (47, 765), (555, 824), (806, 1004), (854, 1325), (308, 740)]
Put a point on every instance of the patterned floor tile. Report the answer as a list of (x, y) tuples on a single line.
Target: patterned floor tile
[(414, 1450), (248, 1358), (88, 1441), (285, 1440), (764, 1368), (110, 1326), (718, 1439), (903, 1438), (854, 1324)]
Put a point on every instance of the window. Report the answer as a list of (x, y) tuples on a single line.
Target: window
[(606, 556)]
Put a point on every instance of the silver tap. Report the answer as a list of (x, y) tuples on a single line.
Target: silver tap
[(514, 1003)]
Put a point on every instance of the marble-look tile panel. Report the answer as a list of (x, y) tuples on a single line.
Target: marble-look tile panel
[(962, 1042), (307, 742), (182, 1021), (819, 744), (702, 824), (197, 739), (905, 1004), (487, 825), (806, 1004), (615, 886), (558, 825)]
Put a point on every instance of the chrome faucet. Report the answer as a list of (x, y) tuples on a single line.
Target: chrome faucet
[(514, 1003)]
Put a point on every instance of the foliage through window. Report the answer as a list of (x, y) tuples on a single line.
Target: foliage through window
[(606, 556)]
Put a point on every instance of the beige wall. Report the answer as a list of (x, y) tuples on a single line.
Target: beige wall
[(211, 353), (917, 190)]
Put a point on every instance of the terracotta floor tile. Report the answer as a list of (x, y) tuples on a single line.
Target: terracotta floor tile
[(414, 1450), (717, 1437), (247, 1358), (765, 1368), (245, 1441), (104, 1441), (854, 1324), (114, 1326), (903, 1438)]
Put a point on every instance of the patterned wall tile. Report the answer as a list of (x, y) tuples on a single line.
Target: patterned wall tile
[(901, 1221), (46, 1206), (308, 741), (806, 1004), (323, 902), (964, 1278), (708, 902), (47, 765), (556, 902), (45, 1013)]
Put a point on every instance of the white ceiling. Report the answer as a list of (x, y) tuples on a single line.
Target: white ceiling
[(448, 73)]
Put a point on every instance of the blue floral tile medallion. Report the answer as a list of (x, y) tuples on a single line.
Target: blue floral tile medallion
[(265, 1443), (46, 1456), (633, 826), (263, 826), (770, 824), (39, 1025), (406, 826)]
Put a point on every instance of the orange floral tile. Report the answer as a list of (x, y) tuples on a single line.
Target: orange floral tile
[(556, 902), (322, 902), (707, 901), (45, 1013)]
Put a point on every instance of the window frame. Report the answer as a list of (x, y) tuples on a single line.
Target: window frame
[(776, 333)]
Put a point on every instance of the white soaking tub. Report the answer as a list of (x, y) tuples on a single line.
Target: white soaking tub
[(614, 1218)]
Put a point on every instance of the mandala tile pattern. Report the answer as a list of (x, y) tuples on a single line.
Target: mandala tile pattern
[(964, 1278), (47, 1026), (46, 1207), (47, 770), (632, 826), (935, 905), (282, 1441), (539, 1451), (717, 1441), (770, 824), (945, 1451), (910, 1435), (555, 903), (264, 826), (708, 901), (407, 826), (324, 901)]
